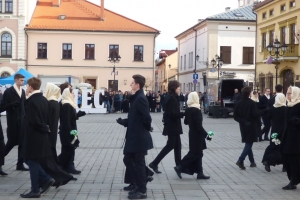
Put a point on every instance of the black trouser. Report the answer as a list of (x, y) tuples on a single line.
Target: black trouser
[(2, 150), (267, 126), (66, 157), (9, 146), (193, 159), (135, 163), (174, 142)]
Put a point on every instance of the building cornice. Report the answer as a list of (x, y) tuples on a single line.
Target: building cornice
[(86, 31), (85, 66)]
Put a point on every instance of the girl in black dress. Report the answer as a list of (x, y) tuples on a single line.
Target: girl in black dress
[(272, 154)]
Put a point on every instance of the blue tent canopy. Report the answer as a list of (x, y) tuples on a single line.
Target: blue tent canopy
[(10, 80)]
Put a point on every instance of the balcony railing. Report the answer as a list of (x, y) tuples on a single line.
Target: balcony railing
[(292, 51)]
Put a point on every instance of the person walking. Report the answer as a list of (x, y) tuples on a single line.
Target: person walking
[(278, 89), (172, 126), (181, 100), (68, 132), (138, 138), (15, 118), (192, 162), (36, 143), (272, 155), (236, 97), (79, 100), (264, 104), (247, 115), (290, 138), (52, 94), (157, 102)]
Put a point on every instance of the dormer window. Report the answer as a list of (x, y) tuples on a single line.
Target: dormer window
[(238, 14), (62, 17)]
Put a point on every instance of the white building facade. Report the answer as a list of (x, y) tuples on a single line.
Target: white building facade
[(231, 39)]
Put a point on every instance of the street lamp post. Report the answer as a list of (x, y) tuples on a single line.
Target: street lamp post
[(114, 59), (217, 63), (277, 53)]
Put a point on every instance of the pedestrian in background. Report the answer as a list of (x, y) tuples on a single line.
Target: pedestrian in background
[(181, 100), (290, 147), (192, 162), (247, 114), (172, 126), (15, 118), (264, 104)]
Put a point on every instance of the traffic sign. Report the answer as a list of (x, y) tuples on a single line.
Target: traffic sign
[(195, 81), (195, 76)]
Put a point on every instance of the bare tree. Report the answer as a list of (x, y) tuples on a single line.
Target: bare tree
[(149, 82)]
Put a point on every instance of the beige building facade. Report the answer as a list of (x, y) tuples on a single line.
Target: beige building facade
[(12, 36), (277, 20), (82, 50)]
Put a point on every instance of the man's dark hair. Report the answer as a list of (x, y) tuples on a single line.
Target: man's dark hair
[(63, 87), (173, 85), (35, 83), (246, 92), (139, 79), (254, 92), (18, 76), (278, 88)]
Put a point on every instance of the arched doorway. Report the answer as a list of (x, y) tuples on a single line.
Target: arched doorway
[(288, 79)]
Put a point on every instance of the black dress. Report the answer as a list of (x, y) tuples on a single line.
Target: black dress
[(290, 144), (54, 113), (272, 154), (125, 105), (192, 162)]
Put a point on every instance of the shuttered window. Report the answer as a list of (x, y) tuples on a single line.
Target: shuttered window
[(248, 53), (225, 52)]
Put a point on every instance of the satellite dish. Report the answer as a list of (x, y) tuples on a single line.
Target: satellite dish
[(213, 70)]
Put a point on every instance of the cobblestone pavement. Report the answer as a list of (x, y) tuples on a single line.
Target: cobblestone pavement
[(100, 159)]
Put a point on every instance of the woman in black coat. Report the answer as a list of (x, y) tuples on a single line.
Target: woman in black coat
[(125, 105), (69, 142), (247, 115), (272, 155), (192, 162), (290, 138), (172, 126)]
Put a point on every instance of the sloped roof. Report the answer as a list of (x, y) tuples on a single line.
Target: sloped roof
[(261, 4), (166, 53), (81, 15), (246, 13)]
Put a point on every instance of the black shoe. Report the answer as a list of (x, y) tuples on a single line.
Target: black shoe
[(129, 187), (73, 171), (202, 176), (290, 187), (47, 185), (2, 173), (154, 168), (30, 195), (253, 165), (149, 179), (134, 190), (178, 171), (74, 179), (283, 169), (138, 195), (241, 165), (267, 166), (21, 168)]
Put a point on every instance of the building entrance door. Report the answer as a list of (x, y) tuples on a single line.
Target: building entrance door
[(288, 79), (113, 85), (92, 82)]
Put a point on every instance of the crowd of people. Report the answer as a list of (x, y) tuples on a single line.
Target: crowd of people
[(279, 113), (35, 119)]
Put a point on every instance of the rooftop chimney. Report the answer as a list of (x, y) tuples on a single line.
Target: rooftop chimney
[(102, 17), (227, 9), (55, 2)]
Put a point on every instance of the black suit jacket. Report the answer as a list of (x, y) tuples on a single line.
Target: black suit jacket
[(138, 123)]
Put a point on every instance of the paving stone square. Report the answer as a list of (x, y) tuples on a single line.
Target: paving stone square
[(100, 157)]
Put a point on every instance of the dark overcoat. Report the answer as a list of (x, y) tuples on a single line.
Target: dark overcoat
[(172, 115), (36, 138), (14, 115), (197, 134), (68, 119), (247, 114), (291, 134), (277, 116), (138, 123), (54, 113)]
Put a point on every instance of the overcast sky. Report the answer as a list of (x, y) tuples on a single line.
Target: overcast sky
[(170, 17)]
